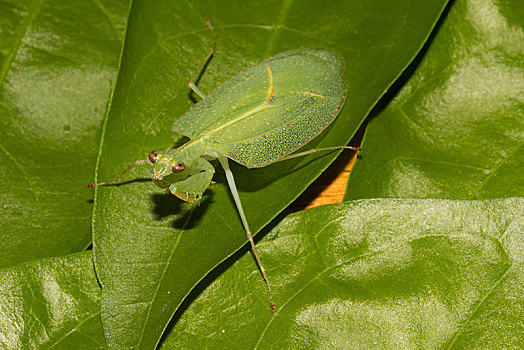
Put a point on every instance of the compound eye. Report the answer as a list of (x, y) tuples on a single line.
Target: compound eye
[(178, 167), (153, 156)]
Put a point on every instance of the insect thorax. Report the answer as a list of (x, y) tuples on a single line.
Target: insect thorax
[(190, 152)]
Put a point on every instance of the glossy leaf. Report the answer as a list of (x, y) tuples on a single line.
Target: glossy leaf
[(58, 62), (372, 274), (51, 303), (455, 128), (150, 248)]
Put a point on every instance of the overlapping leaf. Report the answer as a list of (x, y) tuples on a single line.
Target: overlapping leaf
[(456, 127), (373, 274), (58, 63), (51, 303)]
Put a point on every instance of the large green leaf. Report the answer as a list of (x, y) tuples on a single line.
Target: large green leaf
[(58, 60), (150, 249), (51, 303), (373, 274), (456, 127)]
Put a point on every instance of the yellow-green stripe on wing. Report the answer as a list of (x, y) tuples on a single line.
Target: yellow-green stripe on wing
[(272, 108)]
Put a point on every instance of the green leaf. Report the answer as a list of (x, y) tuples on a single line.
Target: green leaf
[(150, 249), (454, 129), (58, 61), (51, 303), (372, 274)]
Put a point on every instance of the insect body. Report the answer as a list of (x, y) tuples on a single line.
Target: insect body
[(257, 118)]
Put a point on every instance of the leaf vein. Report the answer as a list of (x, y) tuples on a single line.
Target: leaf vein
[(280, 22), (481, 302), (19, 34), (78, 325), (494, 171), (164, 271)]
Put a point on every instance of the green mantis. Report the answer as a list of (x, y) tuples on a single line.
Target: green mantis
[(258, 117)]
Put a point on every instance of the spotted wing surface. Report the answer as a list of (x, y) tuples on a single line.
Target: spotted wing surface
[(271, 109)]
